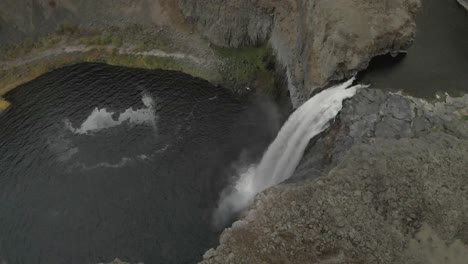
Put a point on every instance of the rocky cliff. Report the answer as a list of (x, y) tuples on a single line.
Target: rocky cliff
[(231, 23), (317, 42), (395, 185), (396, 189), (20, 19)]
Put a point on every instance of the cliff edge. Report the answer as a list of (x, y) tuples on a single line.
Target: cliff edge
[(315, 42), (318, 42), (395, 191)]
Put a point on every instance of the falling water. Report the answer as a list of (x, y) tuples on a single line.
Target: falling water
[(464, 3), (283, 155)]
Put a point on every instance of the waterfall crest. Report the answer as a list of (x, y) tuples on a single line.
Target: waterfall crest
[(284, 154)]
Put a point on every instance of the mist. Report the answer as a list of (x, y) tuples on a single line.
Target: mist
[(284, 153)]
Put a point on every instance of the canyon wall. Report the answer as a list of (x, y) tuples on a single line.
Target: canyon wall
[(395, 189), (317, 42), (396, 165), (230, 23), (20, 19)]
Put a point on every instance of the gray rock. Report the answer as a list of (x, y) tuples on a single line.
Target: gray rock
[(367, 210), (373, 114), (397, 107), (405, 176), (390, 127), (317, 41), (230, 23), (458, 128), (323, 41), (420, 125)]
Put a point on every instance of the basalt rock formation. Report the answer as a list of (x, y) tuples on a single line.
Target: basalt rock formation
[(21, 19), (317, 42), (385, 183), (375, 114), (395, 188)]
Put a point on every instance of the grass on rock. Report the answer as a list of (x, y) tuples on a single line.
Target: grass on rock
[(240, 68), (248, 67), (3, 104)]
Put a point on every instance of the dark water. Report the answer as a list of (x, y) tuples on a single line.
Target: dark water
[(141, 190), (438, 59)]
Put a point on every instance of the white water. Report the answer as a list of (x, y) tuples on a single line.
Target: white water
[(101, 118), (464, 3), (123, 162), (283, 155)]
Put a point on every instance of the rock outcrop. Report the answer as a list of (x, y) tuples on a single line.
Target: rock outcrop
[(230, 23), (26, 18), (398, 191), (375, 114), (394, 166), (332, 40), (317, 41)]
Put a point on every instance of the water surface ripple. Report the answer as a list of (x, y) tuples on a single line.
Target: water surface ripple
[(99, 162)]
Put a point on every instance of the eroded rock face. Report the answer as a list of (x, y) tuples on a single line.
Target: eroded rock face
[(318, 41), (230, 23), (333, 40), (31, 18), (394, 195), (375, 114), (366, 211)]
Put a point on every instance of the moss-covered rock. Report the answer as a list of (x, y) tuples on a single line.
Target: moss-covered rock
[(3, 104)]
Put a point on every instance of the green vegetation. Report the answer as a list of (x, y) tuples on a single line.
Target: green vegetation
[(465, 118), (105, 45), (71, 34), (244, 67), (11, 78), (248, 67), (154, 62), (3, 104)]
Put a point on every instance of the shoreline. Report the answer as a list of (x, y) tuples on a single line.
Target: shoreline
[(4, 104), (25, 69), (233, 69)]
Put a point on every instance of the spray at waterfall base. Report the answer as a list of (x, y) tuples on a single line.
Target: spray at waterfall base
[(284, 154)]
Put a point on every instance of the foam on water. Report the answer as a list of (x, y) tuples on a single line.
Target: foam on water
[(123, 162), (283, 155), (102, 119)]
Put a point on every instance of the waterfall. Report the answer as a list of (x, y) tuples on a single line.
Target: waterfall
[(464, 3), (283, 155)]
